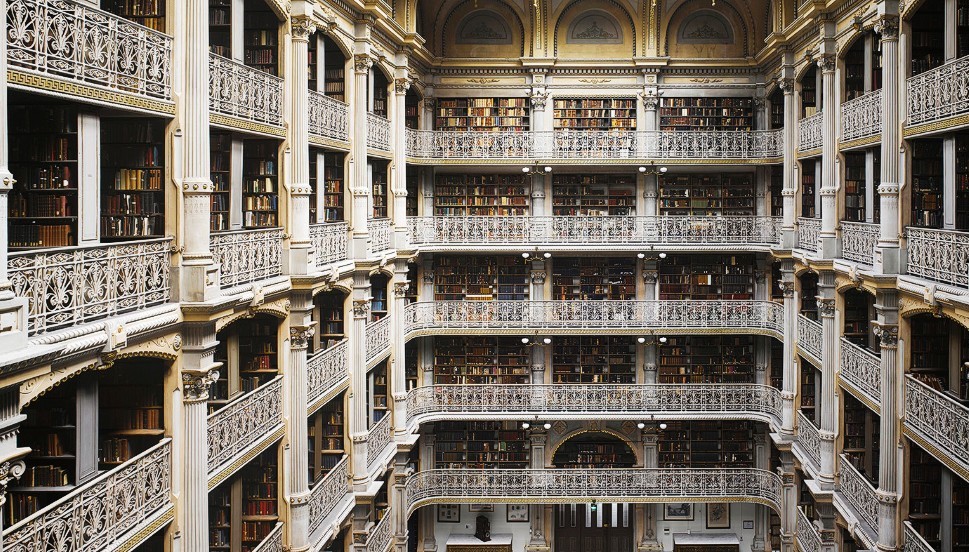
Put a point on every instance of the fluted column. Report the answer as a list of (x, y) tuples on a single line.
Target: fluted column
[(300, 245), (830, 345), (398, 377), (359, 180), (886, 328), (357, 422), (789, 191), (427, 519), (829, 152), (788, 512), (649, 541), (399, 173), (789, 386), (538, 541), (887, 251), (301, 329)]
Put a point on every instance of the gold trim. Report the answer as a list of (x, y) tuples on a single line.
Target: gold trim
[(630, 161), (54, 85), (329, 143), (256, 449), (858, 142), (936, 126), (808, 153), (935, 451), (328, 396), (426, 332), (858, 394), (803, 353), (238, 123), (382, 154), (147, 531)]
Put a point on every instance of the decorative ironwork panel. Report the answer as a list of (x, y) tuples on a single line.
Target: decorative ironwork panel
[(381, 232), (378, 438), (238, 90), (938, 418), (71, 286), (326, 370), (862, 116), (378, 132), (862, 368), (273, 541), (808, 537), (939, 255), (858, 241), (809, 336), (809, 234), (328, 118), (939, 93), (247, 256), (809, 437), (914, 541), (713, 144), (378, 337), (588, 144), (382, 533), (244, 421), (328, 493), (809, 132), (102, 511), (331, 242), (860, 493), (468, 144)]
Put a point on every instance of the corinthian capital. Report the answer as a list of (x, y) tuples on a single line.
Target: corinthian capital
[(826, 63), (402, 85), (299, 336), (887, 26), (10, 471), (196, 384), (786, 85), (302, 27), (826, 307), (362, 63)]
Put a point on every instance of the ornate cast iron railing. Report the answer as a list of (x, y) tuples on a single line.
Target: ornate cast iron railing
[(939, 93), (862, 116), (862, 369), (326, 370), (914, 541), (103, 511), (378, 438), (71, 286), (595, 401), (808, 537), (809, 336), (939, 419), (244, 421), (939, 255), (378, 338), (378, 132), (331, 242), (77, 43), (380, 231), (860, 493), (273, 541), (714, 144), (468, 144), (809, 132), (247, 256), (571, 315), (328, 118), (328, 493), (808, 234), (237, 90), (809, 438), (858, 241), (382, 533)]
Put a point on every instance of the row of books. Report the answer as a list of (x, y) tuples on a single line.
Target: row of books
[(58, 235), (131, 226), (134, 204), (46, 178), (138, 179), (261, 202), (41, 147), (41, 206)]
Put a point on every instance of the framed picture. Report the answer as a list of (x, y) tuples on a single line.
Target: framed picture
[(516, 512), (481, 507), (748, 524), (678, 512), (449, 513), (718, 516)]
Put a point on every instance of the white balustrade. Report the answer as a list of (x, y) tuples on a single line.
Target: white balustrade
[(244, 421), (102, 512), (328, 118), (237, 90), (858, 241), (468, 144), (939, 255), (862, 369), (809, 336), (809, 438), (378, 132), (247, 256), (331, 241), (939, 93), (808, 234), (378, 439), (382, 534), (714, 144), (82, 45), (326, 494), (378, 338), (809, 132), (808, 537), (859, 493), (381, 231), (70, 286), (325, 370), (914, 542), (273, 541), (939, 419), (862, 116)]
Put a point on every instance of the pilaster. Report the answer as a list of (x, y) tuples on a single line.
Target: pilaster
[(426, 515), (886, 328), (887, 250), (359, 184), (357, 423), (829, 152), (790, 376), (398, 376), (789, 191), (539, 541), (301, 329), (788, 512), (300, 246), (830, 359), (649, 542), (399, 171)]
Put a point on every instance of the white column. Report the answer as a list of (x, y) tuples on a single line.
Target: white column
[(300, 245), (359, 179), (830, 358), (301, 329), (357, 423), (399, 172), (649, 541), (538, 542), (788, 512), (887, 252), (789, 191), (398, 376), (427, 518), (790, 378), (829, 152), (886, 328)]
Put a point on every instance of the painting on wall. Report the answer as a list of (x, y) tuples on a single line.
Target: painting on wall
[(516, 513), (449, 513), (481, 507), (718, 516), (678, 512)]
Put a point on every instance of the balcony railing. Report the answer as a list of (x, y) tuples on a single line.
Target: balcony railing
[(808, 537), (558, 485), (328, 492), (859, 493), (328, 118), (914, 541), (809, 336), (71, 286), (809, 438), (103, 512), (378, 132), (325, 370), (596, 231), (862, 369), (858, 241), (78, 44), (378, 338), (381, 232), (382, 534), (378, 438), (939, 419), (809, 132), (247, 256), (243, 422), (640, 316), (237, 90), (594, 401), (939, 93), (808, 234), (331, 242), (862, 116), (273, 541), (939, 255)]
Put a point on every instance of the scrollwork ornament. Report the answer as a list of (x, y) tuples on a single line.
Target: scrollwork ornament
[(887, 335), (302, 27), (361, 308), (10, 471), (786, 85), (887, 26), (428, 277), (650, 100), (539, 98), (825, 307), (401, 289), (787, 288), (650, 276), (362, 63), (299, 336), (538, 278), (402, 85), (760, 102), (826, 63), (196, 384)]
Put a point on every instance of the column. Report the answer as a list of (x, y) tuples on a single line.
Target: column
[(359, 179), (886, 328), (301, 329), (761, 516), (300, 245), (830, 357), (649, 541), (788, 512), (789, 386), (538, 97), (790, 161), (647, 145), (397, 486), (427, 519), (887, 251), (357, 422), (398, 376), (11, 456), (399, 172), (538, 541), (829, 152)]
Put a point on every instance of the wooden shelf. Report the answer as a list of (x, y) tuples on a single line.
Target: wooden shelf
[(593, 278), (474, 278), (707, 359), (482, 114), (593, 195), (260, 193), (706, 114), (132, 171), (475, 360), (707, 277), (594, 113), (594, 359), (714, 444), (481, 195), (481, 445), (707, 195)]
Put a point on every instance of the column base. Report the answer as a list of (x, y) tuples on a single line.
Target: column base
[(299, 259), (788, 238), (197, 283), (359, 248), (13, 324), (887, 259), (829, 248)]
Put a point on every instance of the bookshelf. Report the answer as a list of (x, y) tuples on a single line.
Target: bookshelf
[(334, 178), (776, 365), (706, 114), (594, 359), (594, 450), (474, 278), (776, 113), (925, 495), (713, 444), (960, 514), (855, 186), (808, 189), (858, 311), (258, 352), (131, 412), (776, 191), (707, 277), (809, 389), (380, 86), (593, 278), (707, 195), (480, 360), (854, 69), (706, 359), (805, 500), (260, 199), (261, 36), (481, 445), (412, 371), (776, 294), (593, 195), (928, 37), (260, 499), (220, 517), (594, 113), (132, 169), (413, 192), (809, 296), (377, 388), (875, 67), (220, 158), (481, 195), (962, 28), (331, 314), (861, 437), (875, 182), (962, 181), (378, 291), (810, 95), (326, 439), (43, 205), (150, 13), (220, 27), (927, 183), (379, 188), (929, 360), (482, 114), (219, 392), (412, 111), (334, 70)]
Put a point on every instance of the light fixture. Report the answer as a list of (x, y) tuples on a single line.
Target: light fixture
[(662, 425), (536, 340), (526, 425), (535, 256), (652, 169), (537, 170), (650, 255), (641, 425), (593, 507), (547, 425), (652, 340)]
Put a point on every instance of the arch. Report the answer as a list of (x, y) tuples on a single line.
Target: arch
[(490, 29), (600, 29), (609, 437), (699, 32), (604, 430), (340, 44)]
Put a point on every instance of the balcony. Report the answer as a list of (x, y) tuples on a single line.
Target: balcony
[(71, 286), (861, 369), (619, 317), (378, 439), (247, 256), (331, 241), (381, 535), (861, 117), (569, 233), (939, 255), (378, 339), (329, 119), (809, 439), (913, 540), (809, 338), (809, 234), (807, 535), (378, 133), (66, 47), (858, 241), (326, 372), (273, 541), (243, 97), (246, 423), (809, 132), (328, 493), (860, 495), (594, 402), (939, 93), (381, 232), (938, 422), (119, 508)]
